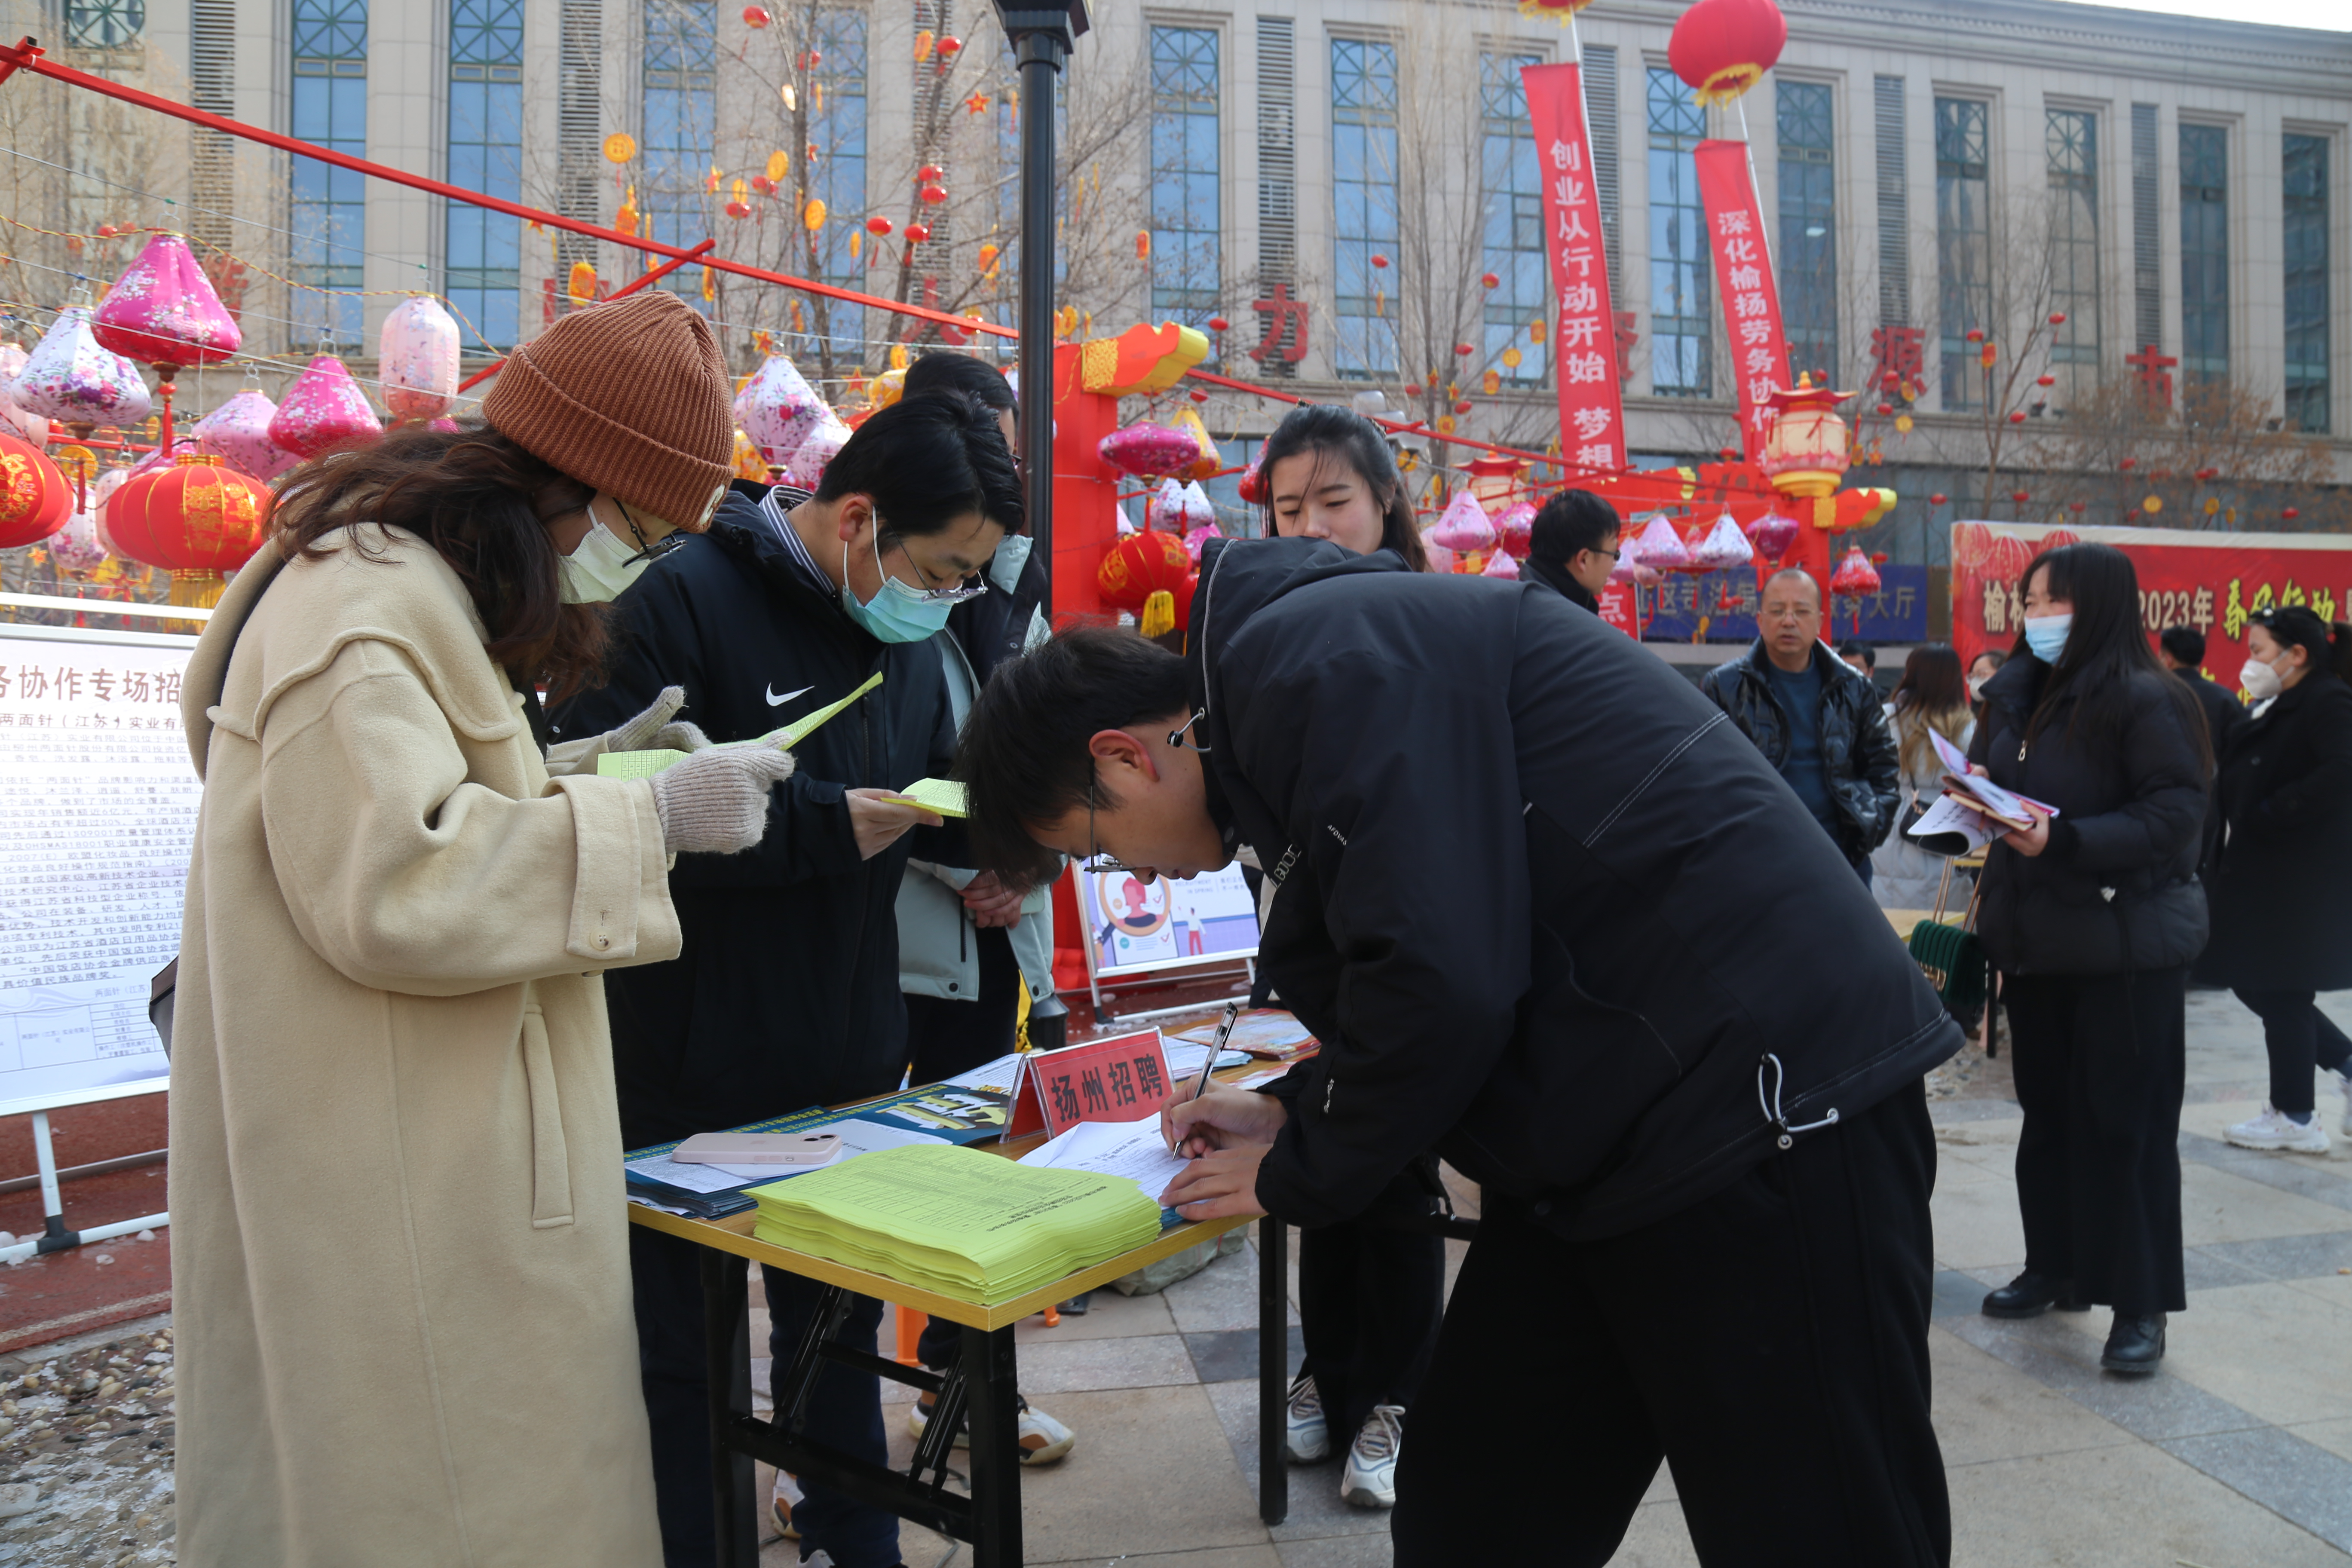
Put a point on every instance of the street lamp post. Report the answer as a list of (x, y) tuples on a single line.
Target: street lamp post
[(1040, 33)]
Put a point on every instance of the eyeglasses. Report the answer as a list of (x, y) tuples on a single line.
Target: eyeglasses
[(658, 548), (926, 594), (1096, 860), (1598, 551)]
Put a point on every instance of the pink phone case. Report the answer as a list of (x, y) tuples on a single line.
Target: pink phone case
[(758, 1148)]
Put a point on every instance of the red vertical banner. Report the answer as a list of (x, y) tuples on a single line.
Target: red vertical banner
[(1743, 275), (1584, 338)]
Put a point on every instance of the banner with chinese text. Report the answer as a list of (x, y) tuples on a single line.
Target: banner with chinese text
[(1591, 407), (2209, 581), (1743, 275)]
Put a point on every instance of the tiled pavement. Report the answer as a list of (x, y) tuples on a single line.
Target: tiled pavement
[(2239, 1456)]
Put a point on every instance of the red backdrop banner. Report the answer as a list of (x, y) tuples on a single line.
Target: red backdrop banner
[(1584, 338), (2209, 581), (1743, 275)]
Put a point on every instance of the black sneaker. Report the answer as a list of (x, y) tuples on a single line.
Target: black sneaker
[(2134, 1344), (2030, 1295)]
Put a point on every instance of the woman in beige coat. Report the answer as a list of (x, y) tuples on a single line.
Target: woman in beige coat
[(399, 1230)]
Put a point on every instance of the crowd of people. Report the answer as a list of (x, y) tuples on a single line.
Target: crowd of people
[(439, 973)]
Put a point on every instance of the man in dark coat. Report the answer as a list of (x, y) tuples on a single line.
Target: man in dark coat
[(1818, 721), (1502, 838), (1573, 547), (2182, 649), (787, 993)]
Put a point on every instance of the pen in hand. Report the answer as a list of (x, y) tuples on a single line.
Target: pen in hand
[(1216, 1049)]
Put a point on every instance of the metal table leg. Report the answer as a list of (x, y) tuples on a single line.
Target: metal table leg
[(727, 1352), (1273, 1370), (992, 1391)]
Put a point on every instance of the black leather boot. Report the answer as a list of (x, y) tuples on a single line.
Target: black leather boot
[(2134, 1344), (2030, 1295)]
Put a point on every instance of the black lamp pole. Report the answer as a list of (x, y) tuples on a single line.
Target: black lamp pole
[(1041, 36)]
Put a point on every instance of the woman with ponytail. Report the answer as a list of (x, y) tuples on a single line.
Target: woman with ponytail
[(2283, 927), (2092, 914)]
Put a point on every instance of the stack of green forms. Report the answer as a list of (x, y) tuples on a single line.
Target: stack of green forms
[(972, 1227)]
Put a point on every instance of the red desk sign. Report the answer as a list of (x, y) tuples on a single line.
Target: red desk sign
[(1123, 1079)]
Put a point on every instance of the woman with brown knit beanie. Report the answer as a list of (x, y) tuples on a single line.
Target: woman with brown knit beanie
[(399, 1243)]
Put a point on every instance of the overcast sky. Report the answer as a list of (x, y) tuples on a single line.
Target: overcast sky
[(2277, 13)]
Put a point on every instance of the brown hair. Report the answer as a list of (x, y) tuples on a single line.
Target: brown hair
[(482, 503), (1932, 694)]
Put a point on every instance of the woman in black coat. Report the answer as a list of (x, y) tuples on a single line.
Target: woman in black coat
[(2282, 926), (2093, 915)]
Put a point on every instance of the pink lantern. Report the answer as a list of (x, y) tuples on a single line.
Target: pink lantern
[(1856, 576), (1440, 558), (417, 359), (69, 377), (1660, 547), (1197, 539), (1500, 565), (1198, 511), (14, 420), (1517, 527), (324, 409), (163, 311), (1773, 533), (77, 546), (101, 489), (237, 432), (778, 409), (1148, 451), (1463, 526), (1723, 546), (808, 464)]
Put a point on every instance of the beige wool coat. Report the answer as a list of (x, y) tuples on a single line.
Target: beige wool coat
[(399, 1238)]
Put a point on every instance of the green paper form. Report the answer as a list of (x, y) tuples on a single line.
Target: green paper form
[(955, 1221), (944, 796), (644, 764)]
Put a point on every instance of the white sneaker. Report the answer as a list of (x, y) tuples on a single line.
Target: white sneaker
[(1043, 1439), (1370, 1478), (2274, 1128), (780, 1507), (1305, 1432)]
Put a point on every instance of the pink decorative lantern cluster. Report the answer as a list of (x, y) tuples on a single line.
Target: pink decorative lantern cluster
[(1501, 564), (808, 464), (1855, 577), (779, 410), (237, 432), (1518, 527), (1773, 533), (163, 311), (417, 361), (1721, 547), (1149, 451), (69, 377), (1660, 547), (1464, 527), (324, 409)]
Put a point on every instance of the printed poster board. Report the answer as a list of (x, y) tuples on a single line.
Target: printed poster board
[(1133, 925), (102, 810)]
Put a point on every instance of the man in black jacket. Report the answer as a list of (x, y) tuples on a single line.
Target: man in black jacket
[(1817, 720), (2182, 649), (1513, 854), (1573, 547), (787, 993)]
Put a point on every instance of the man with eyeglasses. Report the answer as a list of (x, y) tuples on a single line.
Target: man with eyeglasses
[(1573, 547), (787, 995)]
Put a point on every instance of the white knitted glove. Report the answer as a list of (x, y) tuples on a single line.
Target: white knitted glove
[(652, 730), (716, 801)]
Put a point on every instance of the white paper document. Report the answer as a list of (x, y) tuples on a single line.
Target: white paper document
[(1951, 827), (858, 1137), (1185, 1059), (998, 1076), (2004, 802), (1129, 1148)]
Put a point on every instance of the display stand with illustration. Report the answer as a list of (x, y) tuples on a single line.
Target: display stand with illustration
[(1134, 927)]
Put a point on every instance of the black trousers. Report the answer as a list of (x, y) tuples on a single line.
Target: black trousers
[(1371, 1298), (946, 1036), (2101, 1064), (2299, 1037), (1770, 1343), (845, 1412)]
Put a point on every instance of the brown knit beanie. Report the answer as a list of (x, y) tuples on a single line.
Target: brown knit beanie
[(630, 397)]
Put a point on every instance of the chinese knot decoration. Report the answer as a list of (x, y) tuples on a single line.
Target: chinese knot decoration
[(1723, 48)]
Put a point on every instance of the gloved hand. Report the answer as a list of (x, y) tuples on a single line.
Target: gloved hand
[(652, 730), (716, 801)]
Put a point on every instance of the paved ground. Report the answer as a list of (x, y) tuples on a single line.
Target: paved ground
[(2239, 1456)]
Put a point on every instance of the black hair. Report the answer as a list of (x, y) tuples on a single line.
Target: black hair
[(1325, 427), (1855, 648), (1023, 756), (2186, 643), (2294, 625), (945, 372), (1994, 654), (927, 461), (2090, 684), (1571, 521)]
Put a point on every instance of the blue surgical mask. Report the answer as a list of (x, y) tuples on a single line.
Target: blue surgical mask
[(2046, 636), (901, 612)]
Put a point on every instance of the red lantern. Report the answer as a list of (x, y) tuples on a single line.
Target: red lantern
[(1151, 561), (877, 225), (1974, 334), (934, 194), (755, 18), (916, 232), (1887, 408), (2129, 463), (2016, 417), (2045, 381), (930, 173), (2207, 473), (1251, 486), (1463, 406), (1723, 48), (2057, 318), (1464, 350), (1379, 260), (2074, 506), (35, 498), (1198, 396), (948, 46), (1490, 280), (2019, 496), (2290, 513), (1939, 498), (196, 519), (738, 209), (1856, 576), (1218, 323)]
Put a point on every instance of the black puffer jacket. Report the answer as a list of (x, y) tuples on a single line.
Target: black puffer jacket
[(1858, 751), (2117, 889), (787, 994), (1557, 579), (1515, 856), (2282, 890)]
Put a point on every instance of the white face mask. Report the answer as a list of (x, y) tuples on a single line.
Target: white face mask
[(604, 564), (2260, 681)]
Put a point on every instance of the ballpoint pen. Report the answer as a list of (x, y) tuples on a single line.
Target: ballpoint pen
[(1216, 1049)]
